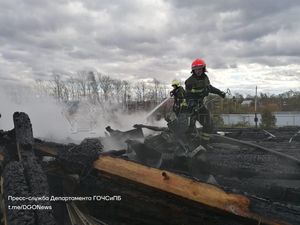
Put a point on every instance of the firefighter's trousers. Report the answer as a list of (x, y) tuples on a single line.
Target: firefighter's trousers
[(202, 115)]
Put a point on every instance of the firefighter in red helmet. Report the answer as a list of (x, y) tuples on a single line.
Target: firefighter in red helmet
[(197, 88)]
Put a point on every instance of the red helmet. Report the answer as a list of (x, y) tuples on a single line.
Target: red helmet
[(198, 63)]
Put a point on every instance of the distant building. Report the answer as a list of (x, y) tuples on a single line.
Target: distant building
[(247, 102)]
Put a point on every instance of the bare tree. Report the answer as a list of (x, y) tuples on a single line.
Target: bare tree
[(42, 88), (72, 86), (82, 82), (117, 87), (93, 87), (143, 89), (65, 92), (57, 87), (138, 91), (126, 93), (156, 89), (162, 92), (105, 83)]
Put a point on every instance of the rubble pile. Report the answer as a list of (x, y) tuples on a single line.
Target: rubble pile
[(247, 176), (79, 158)]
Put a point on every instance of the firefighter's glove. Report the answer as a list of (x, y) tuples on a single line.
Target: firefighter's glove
[(223, 94)]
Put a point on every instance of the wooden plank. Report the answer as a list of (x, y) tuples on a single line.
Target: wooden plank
[(172, 183), (184, 187)]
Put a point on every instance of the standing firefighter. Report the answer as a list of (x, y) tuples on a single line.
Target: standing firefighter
[(179, 97), (197, 88)]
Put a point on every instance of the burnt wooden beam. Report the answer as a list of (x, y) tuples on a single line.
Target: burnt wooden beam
[(34, 178), (24, 135)]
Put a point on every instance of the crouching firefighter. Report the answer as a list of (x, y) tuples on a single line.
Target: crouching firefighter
[(178, 93), (197, 88)]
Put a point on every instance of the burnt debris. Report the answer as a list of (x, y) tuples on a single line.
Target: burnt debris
[(255, 172), (30, 178), (79, 159)]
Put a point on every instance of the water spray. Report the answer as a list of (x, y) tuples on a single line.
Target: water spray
[(156, 108)]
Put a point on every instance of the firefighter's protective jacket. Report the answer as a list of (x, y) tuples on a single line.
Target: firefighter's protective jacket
[(197, 87), (179, 95), (179, 100)]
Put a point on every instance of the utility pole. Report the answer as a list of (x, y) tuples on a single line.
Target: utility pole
[(255, 105)]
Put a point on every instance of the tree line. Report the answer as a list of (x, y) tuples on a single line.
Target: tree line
[(287, 101), (98, 88)]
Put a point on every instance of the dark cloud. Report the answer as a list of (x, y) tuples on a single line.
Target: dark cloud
[(146, 38)]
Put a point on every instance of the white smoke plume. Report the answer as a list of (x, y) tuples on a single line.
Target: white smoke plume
[(62, 122)]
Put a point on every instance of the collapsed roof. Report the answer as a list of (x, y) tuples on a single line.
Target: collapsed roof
[(248, 176)]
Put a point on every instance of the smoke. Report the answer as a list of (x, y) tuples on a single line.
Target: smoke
[(44, 113), (63, 122)]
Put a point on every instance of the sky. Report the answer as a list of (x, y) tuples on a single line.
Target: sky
[(244, 43)]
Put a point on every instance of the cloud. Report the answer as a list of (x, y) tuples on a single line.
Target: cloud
[(143, 39)]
